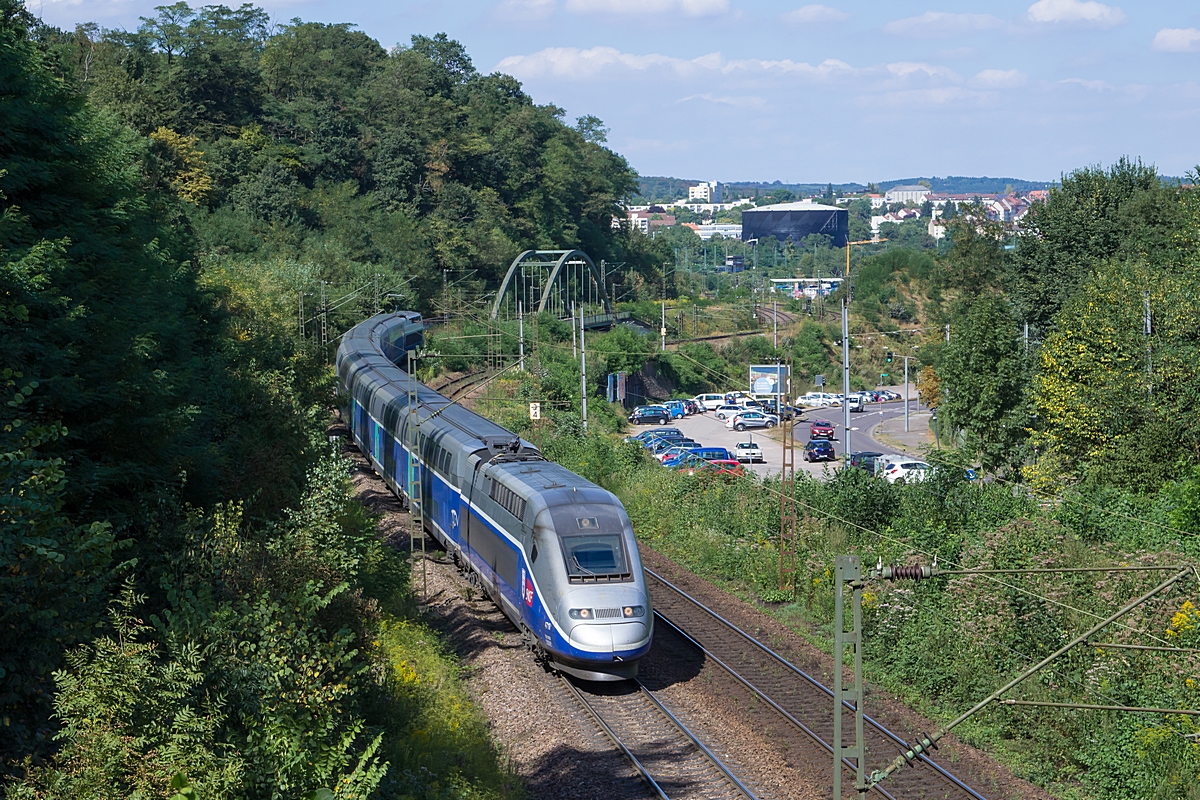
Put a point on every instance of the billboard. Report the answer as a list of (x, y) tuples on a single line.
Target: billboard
[(769, 379)]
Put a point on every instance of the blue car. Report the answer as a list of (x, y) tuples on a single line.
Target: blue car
[(677, 408), (654, 433)]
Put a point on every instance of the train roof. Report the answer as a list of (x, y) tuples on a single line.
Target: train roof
[(366, 346)]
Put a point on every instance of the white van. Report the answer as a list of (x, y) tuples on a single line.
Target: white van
[(710, 401)]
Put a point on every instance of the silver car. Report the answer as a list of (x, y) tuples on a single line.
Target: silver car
[(752, 419)]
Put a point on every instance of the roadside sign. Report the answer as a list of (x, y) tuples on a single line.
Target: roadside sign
[(535, 410)]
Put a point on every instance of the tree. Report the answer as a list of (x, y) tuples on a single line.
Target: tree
[(985, 376), (1095, 215), (929, 387)]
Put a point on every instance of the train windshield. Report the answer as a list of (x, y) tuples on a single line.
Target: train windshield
[(593, 541), (596, 554)]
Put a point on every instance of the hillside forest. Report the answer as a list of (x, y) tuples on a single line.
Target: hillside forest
[(193, 602)]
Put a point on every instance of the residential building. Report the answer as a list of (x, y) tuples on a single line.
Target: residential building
[(646, 220), (908, 193), (706, 192), (893, 218), (725, 230)]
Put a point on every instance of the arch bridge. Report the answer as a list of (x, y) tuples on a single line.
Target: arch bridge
[(554, 281)]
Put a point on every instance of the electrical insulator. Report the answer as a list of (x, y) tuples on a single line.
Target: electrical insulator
[(915, 572)]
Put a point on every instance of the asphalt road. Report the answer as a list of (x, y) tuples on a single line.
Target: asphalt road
[(711, 432)]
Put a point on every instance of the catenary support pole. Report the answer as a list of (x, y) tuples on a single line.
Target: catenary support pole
[(906, 394), (520, 337), (582, 375), (663, 330), (846, 380)]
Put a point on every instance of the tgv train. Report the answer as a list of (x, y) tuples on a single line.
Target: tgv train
[(554, 551)]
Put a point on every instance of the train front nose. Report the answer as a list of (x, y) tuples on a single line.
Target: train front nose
[(615, 637)]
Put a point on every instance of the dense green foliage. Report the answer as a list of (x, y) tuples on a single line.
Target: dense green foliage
[(191, 598), (943, 645), (312, 143)]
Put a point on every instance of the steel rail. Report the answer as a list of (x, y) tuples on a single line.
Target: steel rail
[(674, 722), (574, 690), (716, 762), (813, 681), (847, 763)]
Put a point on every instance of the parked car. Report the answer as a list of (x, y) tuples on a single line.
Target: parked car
[(710, 402), (647, 438), (735, 398), (718, 467), (906, 471), (665, 444), (819, 450), (820, 400), (749, 452), (648, 415), (789, 412), (673, 452), (654, 433), (677, 409), (752, 419), (821, 429), (703, 453), (727, 410), (867, 460), (693, 407)]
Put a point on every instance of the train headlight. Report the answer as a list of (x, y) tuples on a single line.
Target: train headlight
[(634, 611), (581, 613)]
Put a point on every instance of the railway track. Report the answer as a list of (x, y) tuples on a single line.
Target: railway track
[(768, 315), (796, 697), (672, 761), (462, 385)]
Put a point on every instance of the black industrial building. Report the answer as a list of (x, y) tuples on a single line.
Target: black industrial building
[(795, 221)]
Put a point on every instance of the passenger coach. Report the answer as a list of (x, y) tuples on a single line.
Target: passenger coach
[(554, 551)]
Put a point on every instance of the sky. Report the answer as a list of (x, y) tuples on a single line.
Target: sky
[(838, 91)]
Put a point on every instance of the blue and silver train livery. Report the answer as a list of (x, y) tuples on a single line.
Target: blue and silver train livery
[(555, 552)]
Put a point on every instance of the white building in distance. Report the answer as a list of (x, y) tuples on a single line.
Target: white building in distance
[(912, 193), (706, 192)]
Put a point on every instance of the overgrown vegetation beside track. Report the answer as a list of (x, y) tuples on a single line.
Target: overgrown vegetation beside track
[(944, 644)]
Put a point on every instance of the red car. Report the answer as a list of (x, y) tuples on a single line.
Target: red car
[(821, 429)]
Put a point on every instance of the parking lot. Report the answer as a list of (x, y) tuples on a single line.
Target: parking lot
[(711, 432)]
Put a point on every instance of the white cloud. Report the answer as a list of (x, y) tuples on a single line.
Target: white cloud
[(691, 8), (1095, 86), (1085, 11), (740, 101), (1177, 40), (815, 14), (999, 79), (825, 69), (938, 24), (909, 69), (520, 10), (571, 62)]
